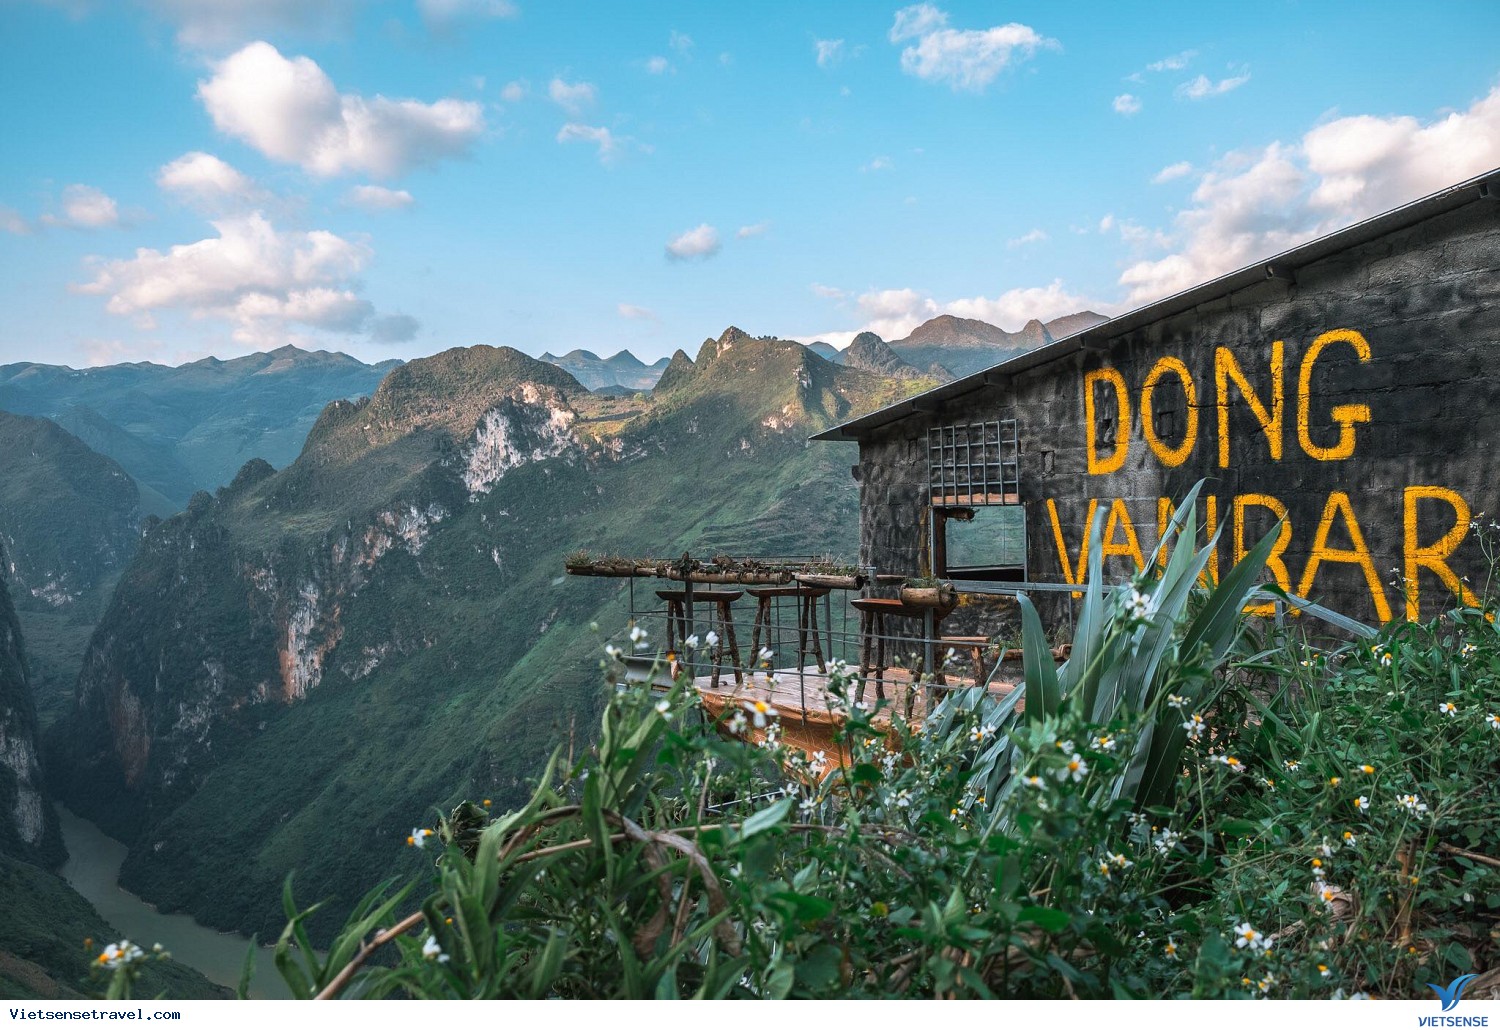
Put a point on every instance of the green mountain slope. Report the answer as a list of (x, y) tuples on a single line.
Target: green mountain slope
[(28, 826), (43, 926), (69, 522), (68, 516), (291, 671), (177, 430)]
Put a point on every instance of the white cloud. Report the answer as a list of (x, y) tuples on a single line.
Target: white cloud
[(658, 65), (260, 279), (702, 242), (829, 292), (892, 314), (680, 42), (378, 198), (611, 147), (572, 97), (746, 232), (1252, 205), (1173, 171), (1034, 236), (207, 181), (289, 110), (514, 92), (636, 313), (878, 164), (1127, 104), (1107, 223), (1203, 87), (966, 59), (443, 13), (85, 207), (916, 21), (1175, 63), (12, 222), (830, 51), (218, 24)]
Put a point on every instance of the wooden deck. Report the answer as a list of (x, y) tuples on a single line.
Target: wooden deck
[(809, 716)]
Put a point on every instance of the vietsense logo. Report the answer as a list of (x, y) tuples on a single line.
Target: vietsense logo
[(1454, 992), (1450, 996)]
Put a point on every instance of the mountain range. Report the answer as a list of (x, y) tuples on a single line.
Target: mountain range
[(313, 648), (945, 347), (292, 670), (178, 430), (624, 370)]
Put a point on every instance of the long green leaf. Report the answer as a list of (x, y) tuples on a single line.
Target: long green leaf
[(1042, 689)]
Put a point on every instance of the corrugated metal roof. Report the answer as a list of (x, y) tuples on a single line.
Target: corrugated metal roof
[(1484, 187)]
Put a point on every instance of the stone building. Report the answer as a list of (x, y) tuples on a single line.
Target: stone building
[(1350, 385)]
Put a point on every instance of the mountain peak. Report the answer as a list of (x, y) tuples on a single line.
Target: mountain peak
[(868, 351), (732, 336)]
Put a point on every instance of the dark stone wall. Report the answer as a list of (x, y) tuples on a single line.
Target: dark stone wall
[(1425, 299)]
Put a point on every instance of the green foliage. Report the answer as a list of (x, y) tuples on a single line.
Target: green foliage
[(51, 938), (458, 670), (984, 852)]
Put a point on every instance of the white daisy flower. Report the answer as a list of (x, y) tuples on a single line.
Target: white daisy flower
[(1412, 803), (711, 639), (691, 643), (1448, 708), (760, 711), (1247, 936), (1075, 769), (433, 952)]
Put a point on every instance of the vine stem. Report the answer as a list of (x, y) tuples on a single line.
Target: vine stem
[(338, 983)]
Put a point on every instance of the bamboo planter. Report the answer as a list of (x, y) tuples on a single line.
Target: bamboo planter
[(942, 597)]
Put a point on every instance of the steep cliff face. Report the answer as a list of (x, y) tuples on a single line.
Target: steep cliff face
[(28, 827), (68, 515), (292, 671), (229, 615)]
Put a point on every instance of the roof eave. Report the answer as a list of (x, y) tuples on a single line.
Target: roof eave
[(1485, 186)]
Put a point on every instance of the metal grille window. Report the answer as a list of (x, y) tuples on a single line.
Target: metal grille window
[(975, 464)]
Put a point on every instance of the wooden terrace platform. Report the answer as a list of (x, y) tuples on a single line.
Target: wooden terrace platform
[(810, 717)]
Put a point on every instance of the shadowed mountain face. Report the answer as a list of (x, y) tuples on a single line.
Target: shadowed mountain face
[(292, 672), (178, 430), (28, 827), (624, 370), (870, 352), (68, 516)]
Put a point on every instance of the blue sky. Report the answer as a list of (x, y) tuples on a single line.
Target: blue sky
[(186, 177)]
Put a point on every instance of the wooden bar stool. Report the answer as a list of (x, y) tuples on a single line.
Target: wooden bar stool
[(976, 647), (873, 612), (721, 600), (807, 620)]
